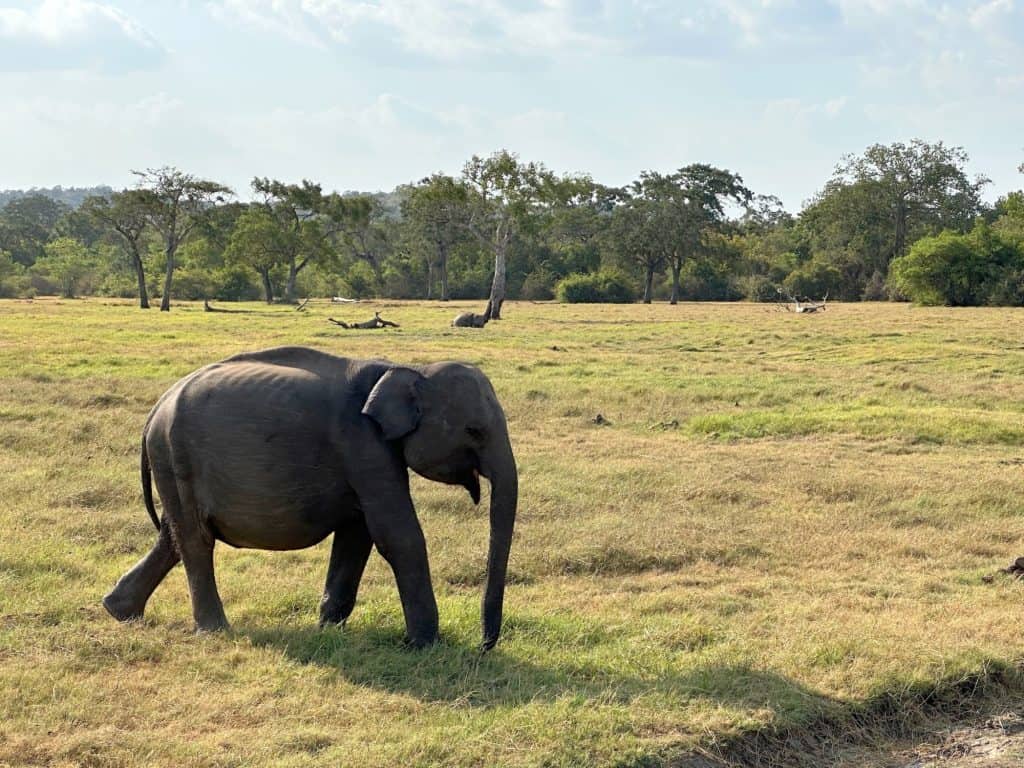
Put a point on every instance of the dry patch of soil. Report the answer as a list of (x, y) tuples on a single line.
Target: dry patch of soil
[(997, 742)]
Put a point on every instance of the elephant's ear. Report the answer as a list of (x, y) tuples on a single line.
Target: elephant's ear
[(394, 402)]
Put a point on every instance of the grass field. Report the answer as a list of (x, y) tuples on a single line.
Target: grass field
[(784, 520)]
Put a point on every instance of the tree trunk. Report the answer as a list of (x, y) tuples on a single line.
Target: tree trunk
[(900, 238), (430, 279), (676, 269), (648, 285), (289, 286), (443, 267), (497, 297), (140, 273), (165, 300), (268, 288)]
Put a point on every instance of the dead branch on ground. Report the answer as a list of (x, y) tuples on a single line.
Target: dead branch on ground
[(376, 322)]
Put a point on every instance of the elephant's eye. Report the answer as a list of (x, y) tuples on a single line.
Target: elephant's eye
[(476, 433)]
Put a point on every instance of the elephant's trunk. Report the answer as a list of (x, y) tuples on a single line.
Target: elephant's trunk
[(504, 497)]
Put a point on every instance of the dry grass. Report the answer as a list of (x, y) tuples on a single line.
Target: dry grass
[(785, 520)]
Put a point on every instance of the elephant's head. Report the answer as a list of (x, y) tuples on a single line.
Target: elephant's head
[(452, 430)]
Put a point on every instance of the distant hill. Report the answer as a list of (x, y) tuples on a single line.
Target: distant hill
[(69, 196)]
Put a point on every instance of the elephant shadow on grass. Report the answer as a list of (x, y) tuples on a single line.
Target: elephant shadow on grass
[(454, 670)]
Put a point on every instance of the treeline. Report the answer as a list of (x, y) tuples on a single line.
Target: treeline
[(902, 221)]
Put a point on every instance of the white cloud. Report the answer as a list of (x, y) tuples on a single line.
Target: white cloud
[(73, 34), (433, 28)]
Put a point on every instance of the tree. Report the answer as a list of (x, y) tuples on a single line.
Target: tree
[(304, 221), (354, 224), (503, 194), (685, 207), (436, 211), (67, 261), (636, 234), (124, 214), (922, 187), (259, 241), (174, 204), (27, 224), (578, 215)]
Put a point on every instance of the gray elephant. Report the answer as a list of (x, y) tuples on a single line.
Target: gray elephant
[(280, 448), (472, 320)]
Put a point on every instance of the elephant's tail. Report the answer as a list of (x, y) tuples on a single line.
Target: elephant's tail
[(147, 484)]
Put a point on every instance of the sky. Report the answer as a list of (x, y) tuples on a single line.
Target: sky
[(369, 94)]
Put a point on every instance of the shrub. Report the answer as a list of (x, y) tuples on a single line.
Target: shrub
[(707, 280), (605, 286), (14, 282), (758, 288), (812, 280), (875, 290), (982, 267), (539, 285)]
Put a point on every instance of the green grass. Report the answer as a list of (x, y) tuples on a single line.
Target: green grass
[(785, 520)]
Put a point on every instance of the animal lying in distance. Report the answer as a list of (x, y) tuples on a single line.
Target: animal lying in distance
[(472, 320)]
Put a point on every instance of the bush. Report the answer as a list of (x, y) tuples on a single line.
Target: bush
[(982, 267), (707, 280), (812, 280), (875, 290), (605, 286), (539, 285), (758, 288), (14, 282)]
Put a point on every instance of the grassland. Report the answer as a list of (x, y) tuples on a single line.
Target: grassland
[(784, 520)]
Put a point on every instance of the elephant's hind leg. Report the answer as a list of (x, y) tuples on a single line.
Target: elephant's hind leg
[(349, 553), (127, 600), (195, 545)]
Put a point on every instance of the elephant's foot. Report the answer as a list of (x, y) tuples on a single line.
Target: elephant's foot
[(122, 608), (213, 623), (419, 643), (334, 614)]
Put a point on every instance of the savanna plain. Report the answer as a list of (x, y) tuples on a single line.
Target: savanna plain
[(778, 521)]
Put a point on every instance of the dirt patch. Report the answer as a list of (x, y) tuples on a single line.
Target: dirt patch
[(991, 740), (998, 742)]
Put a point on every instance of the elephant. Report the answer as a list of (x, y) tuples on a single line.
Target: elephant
[(279, 448), (472, 320)]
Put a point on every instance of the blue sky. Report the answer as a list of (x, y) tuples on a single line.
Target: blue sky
[(367, 94)]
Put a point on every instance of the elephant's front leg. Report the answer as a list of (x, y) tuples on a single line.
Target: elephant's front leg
[(391, 520), (349, 552)]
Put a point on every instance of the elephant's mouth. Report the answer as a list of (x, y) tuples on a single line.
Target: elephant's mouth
[(471, 482)]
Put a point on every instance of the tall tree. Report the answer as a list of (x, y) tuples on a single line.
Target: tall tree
[(27, 224), (579, 212), (923, 188), (125, 215), (436, 210), (637, 236), (175, 203), (259, 241), (354, 223), (503, 194), (297, 213), (687, 207)]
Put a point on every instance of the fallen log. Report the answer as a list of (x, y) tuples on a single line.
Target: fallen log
[(806, 306), (376, 322)]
